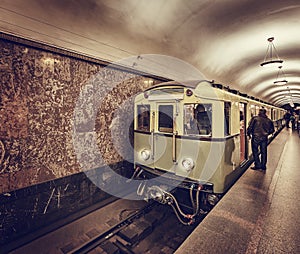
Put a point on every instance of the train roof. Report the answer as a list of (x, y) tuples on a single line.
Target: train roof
[(189, 83), (194, 83)]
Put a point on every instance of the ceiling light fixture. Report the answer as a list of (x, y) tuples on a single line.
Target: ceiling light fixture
[(269, 58), (280, 79)]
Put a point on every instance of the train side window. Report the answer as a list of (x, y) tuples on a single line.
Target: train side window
[(165, 118), (252, 110), (256, 109), (274, 114), (143, 117), (227, 117), (197, 119)]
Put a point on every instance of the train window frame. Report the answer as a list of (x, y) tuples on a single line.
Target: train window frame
[(143, 117), (191, 125), (165, 119)]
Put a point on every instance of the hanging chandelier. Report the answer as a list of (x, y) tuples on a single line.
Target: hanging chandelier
[(271, 57), (280, 79)]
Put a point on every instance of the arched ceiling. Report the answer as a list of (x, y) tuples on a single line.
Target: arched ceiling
[(226, 40)]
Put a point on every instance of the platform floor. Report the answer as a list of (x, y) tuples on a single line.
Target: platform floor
[(261, 212)]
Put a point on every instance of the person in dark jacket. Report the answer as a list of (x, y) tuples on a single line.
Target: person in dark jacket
[(287, 117), (258, 130)]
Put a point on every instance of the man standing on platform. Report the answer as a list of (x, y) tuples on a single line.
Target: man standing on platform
[(260, 127), (287, 118)]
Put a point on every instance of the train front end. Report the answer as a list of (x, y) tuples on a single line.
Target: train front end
[(172, 145)]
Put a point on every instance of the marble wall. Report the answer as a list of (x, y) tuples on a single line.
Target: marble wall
[(39, 92)]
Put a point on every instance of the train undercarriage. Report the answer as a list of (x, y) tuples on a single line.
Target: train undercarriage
[(190, 200)]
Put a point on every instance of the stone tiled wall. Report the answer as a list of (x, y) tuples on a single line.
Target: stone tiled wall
[(39, 90), (26, 210)]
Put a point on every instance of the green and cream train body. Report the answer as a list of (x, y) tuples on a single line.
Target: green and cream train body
[(192, 136)]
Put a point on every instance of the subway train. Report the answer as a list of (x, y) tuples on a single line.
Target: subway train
[(190, 143)]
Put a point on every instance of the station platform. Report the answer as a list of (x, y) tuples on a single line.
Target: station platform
[(261, 212)]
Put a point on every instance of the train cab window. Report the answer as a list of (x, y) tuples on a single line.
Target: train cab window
[(197, 119), (165, 118), (143, 117), (227, 116)]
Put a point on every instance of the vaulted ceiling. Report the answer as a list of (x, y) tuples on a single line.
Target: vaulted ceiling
[(221, 40)]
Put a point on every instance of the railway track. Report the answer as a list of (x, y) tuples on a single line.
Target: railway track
[(152, 228), (123, 226), (102, 240)]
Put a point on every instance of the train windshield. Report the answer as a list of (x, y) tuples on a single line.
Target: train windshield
[(165, 118), (143, 117), (197, 119)]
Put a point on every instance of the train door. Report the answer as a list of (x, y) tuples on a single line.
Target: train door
[(164, 137), (243, 139)]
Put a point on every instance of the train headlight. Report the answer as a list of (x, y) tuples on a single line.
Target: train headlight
[(188, 164), (145, 154)]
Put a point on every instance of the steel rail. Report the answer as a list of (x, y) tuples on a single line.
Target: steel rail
[(97, 240)]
